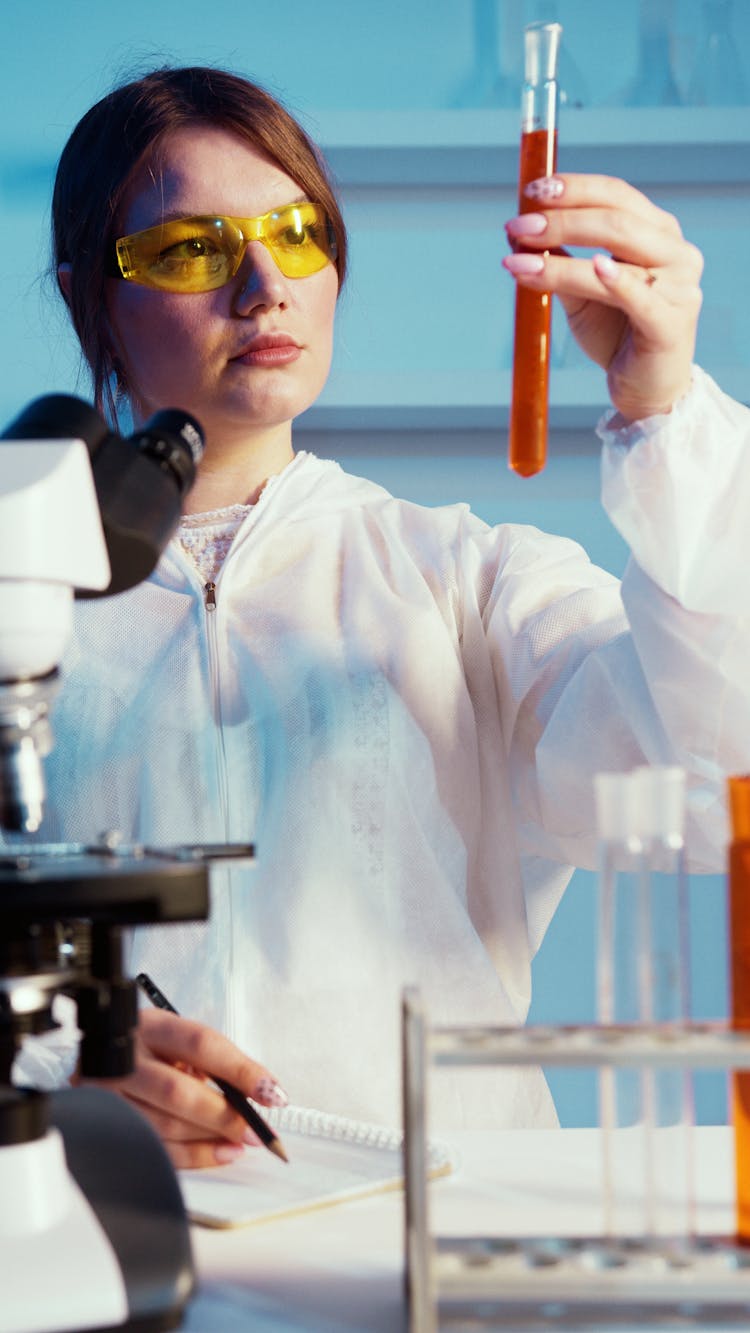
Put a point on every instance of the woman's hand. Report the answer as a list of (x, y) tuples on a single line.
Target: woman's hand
[(634, 310), (174, 1061)]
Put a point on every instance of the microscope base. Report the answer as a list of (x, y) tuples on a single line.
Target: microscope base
[(118, 1256)]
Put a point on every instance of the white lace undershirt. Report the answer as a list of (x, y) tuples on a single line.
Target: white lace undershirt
[(206, 538)]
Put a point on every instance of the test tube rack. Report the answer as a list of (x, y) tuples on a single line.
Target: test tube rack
[(550, 1281)]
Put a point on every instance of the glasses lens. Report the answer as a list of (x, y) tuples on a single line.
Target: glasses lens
[(202, 253), (298, 238), (188, 255)]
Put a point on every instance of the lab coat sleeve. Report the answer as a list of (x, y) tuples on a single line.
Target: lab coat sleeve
[(593, 677), (677, 488)]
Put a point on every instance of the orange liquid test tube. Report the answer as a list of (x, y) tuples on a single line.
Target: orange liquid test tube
[(739, 972), (527, 436)]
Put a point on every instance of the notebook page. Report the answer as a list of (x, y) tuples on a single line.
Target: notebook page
[(331, 1160)]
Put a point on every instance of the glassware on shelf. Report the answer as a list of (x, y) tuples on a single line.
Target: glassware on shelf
[(717, 78), (495, 77), (496, 74), (653, 83)]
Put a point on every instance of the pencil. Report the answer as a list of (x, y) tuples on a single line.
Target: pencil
[(236, 1098)]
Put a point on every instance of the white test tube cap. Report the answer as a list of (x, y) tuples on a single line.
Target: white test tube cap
[(616, 806), (660, 797)]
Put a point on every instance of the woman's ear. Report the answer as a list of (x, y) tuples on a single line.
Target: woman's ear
[(64, 275)]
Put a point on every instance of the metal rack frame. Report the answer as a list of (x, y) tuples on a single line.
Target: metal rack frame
[(543, 1281)]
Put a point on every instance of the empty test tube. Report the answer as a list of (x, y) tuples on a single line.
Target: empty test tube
[(660, 798), (621, 1092), (646, 1112)]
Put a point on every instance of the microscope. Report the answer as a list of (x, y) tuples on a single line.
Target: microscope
[(93, 1232)]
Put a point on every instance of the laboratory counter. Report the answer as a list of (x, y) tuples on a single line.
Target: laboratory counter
[(341, 1269)]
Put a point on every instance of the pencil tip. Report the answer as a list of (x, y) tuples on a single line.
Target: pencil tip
[(277, 1147)]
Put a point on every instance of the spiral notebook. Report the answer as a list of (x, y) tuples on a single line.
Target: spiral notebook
[(331, 1160)]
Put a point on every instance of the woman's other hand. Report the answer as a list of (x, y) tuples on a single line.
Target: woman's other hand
[(175, 1060), (633, 307)]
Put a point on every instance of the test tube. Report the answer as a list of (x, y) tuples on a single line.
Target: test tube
[(527, 438), (646, 1112), (660, 797), (739, 973), (622, 1102)]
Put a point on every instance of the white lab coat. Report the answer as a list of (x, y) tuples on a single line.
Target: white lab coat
[(405, 709)]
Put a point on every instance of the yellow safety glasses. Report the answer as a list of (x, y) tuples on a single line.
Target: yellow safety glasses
[(202, 253)]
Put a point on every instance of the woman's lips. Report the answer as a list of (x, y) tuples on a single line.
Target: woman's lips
[(269, 352)]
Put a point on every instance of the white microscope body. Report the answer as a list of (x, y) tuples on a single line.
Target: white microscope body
[(51, 542), (82, 1230)]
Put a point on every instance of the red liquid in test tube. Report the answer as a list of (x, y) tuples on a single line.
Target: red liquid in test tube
[(527, 439)]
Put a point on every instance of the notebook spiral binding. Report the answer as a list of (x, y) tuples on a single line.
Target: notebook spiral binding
[(323, 1124)]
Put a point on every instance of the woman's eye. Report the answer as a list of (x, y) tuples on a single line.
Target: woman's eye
[(194, 247), (293, 236), (304, 235)]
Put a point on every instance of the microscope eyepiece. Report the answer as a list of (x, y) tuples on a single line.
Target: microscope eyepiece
[(175, 441), (140, 479)]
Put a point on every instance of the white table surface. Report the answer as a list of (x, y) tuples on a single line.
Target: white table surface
[(340, 1270)]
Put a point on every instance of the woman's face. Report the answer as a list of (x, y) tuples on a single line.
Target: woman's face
[(244, 359)]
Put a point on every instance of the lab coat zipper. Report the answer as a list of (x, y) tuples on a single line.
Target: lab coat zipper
[(222, 901), (209, 594)]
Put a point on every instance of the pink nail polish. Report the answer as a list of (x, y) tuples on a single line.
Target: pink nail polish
[(250, 1138), (606, 267), (547, 187), (268, 1091), (524, 266), (228, 1152), (527, 224)]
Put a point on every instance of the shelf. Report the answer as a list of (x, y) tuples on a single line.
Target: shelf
[(445, 400), (464, 400), (417, 148), (648, 145), (693, 145)]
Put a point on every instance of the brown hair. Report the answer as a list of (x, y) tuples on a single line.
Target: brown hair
[(108, 144)]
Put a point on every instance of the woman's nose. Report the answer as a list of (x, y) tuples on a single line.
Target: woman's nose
[(260, 282)]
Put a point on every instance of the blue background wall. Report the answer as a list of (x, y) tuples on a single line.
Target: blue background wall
[(331, 62)]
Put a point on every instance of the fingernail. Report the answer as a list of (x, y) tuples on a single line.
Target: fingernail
[(606, 267), (527, 224), (268, 1091), (523, 266), (250, 1138), (228, 1152), (546, 187)]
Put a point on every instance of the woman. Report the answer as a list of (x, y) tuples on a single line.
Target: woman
[(403, 707)]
